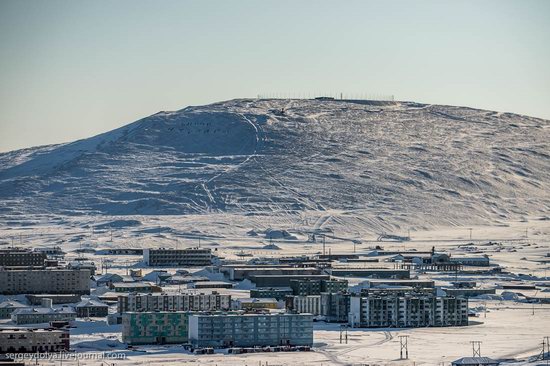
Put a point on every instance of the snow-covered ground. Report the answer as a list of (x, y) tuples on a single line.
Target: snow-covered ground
[(510, 329), (356, 167), (228, 173)]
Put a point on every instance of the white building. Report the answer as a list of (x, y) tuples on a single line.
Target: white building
[(310, 304)]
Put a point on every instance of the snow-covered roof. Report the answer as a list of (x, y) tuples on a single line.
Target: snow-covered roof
[(90, 303), (475, 361), (11, 304), (41, 310)]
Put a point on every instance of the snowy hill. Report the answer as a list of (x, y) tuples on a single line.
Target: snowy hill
[(379, 165)]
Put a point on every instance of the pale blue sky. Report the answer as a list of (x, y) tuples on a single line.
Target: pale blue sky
[(71, 69)]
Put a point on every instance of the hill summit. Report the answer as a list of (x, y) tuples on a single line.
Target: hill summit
[(378, 164)]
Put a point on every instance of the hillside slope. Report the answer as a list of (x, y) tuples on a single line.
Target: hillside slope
[(379, 165)]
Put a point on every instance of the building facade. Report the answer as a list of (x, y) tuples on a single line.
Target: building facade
[(26, 340), (375, 310), (253, 303), (310, 304), (91, 308), (39, 281), (19, 257), (278, 293), (38, 315), (335, 307), (304, 287), (178, 302), (155, 327), (178, 257), (250, 330)]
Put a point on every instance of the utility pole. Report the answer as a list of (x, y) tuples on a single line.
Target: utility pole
[(344, 332), (324, 242), (545, 352), (476, 348), (403, 342)]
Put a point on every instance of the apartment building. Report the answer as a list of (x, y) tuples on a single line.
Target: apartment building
[(26, 340), (335, 307), (36, 315), (44, 280), (278, 293), (176, 302), (407, 310), (310, 304), (19, 257), (250, 330), (159, 327), (304, 287), (177, 257), (91, 308)]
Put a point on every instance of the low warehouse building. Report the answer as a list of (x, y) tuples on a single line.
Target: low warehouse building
[(42, 315)]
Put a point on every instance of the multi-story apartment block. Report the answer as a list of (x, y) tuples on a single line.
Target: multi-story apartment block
[(177, 257), (335, 306), (278, 293), (155, 327), (334, 286), (310, 304), (249, 330), (45, 280), (407, 310), (26, 340), (19, 257), (177, 302), (304, 287)]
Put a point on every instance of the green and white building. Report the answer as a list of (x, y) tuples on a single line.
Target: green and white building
[(155, 327)]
